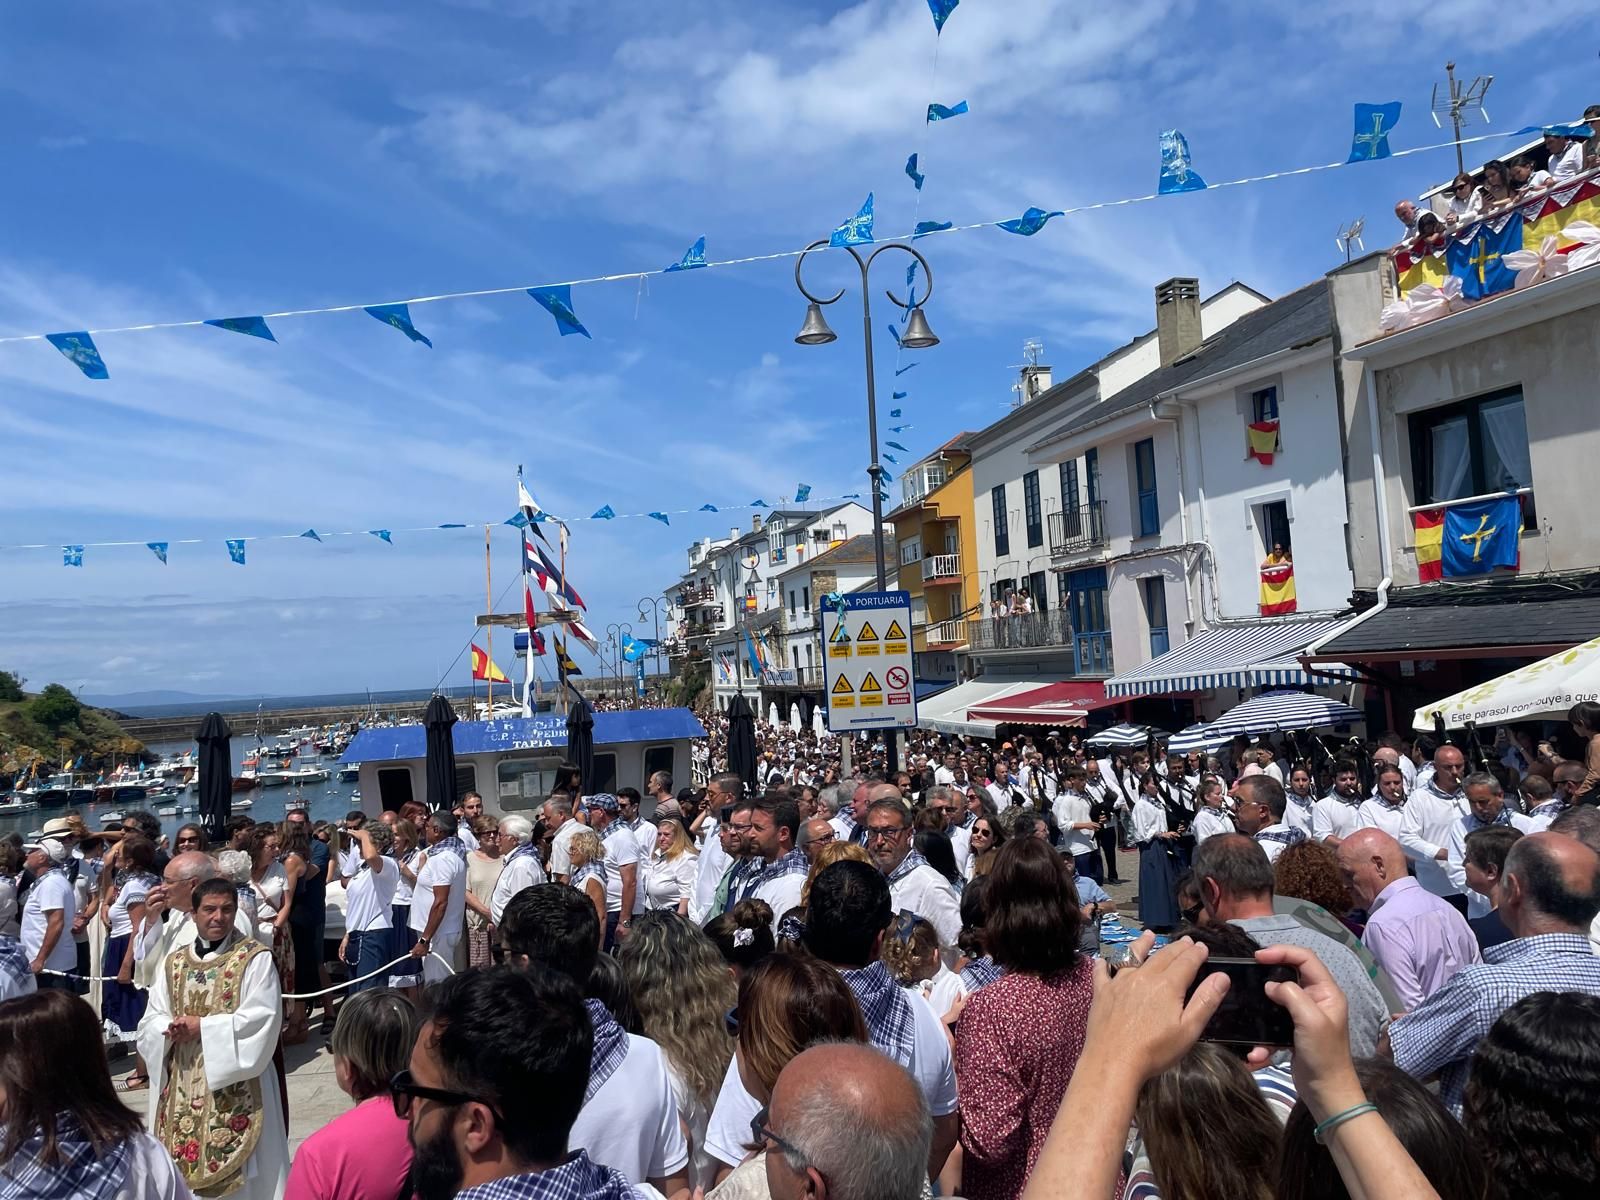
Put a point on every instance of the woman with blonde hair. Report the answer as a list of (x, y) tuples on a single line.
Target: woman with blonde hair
[(669, 875), (588, 854), (483, 871), (683, 991), (831, 853)]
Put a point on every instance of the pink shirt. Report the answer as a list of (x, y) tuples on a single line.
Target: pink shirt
[(363, 1155)]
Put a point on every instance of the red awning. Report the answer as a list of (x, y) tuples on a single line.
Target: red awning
[(1062, 705)]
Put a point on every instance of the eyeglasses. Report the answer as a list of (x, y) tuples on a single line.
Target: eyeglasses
[(403, 1089), (884, 832), (189, 840), (762, 1133)]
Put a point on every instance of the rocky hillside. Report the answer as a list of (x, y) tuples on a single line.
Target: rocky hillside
[(52, 727)]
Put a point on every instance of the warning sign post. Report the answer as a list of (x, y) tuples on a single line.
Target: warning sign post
[(868, 664)]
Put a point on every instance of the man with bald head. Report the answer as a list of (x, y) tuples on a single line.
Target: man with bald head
[(814, 835), (1549, 894), (846, 1123), (1416, 937), (848, 822), (1431, 813), (168, 915)]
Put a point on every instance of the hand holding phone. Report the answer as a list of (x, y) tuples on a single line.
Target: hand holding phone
[(1247, 1016)]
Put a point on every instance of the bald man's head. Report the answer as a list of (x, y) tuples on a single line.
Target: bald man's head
[(1370, 860), (853, 1124), (1387, 755), (883, 791), (1551, 884)]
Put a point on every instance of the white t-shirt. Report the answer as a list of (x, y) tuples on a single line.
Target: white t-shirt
[(928, 894), (621, 851), (631, 1122), (1568, 163), (667, 881), (940, 992), (369, 898), (560, 857), (442, 868), (519, 873), (1333, 817), (403, 890), (49, 893), (1069, 809), (131, 892)]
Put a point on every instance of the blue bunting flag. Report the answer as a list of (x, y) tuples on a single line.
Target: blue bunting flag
[(81, 352), (604, 513), (452, 525), (911, 170), (159, 549), (659, 516), (236, 550), (312, 534), (802, 493), (399, 317), (894, 412), (899, 396), (382, 533), (1176, 173), (897, 445), (694, 256), (941, 10), (1567, 131), (1030, 222), (884, 477), (557, 301), (517, 520), (938, 112), (894, 332), (852, 495), (72, 556), (900, 429), (759, 504), (924, 228), (251, 326), (892, 458), (902, 370), (1374, 122), (708, 508), (857, 231)]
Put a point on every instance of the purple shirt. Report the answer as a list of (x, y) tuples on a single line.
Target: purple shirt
[(1419, 939)]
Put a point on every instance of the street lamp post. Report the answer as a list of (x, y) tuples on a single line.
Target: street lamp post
[(615, 632), (918, 336), (651, 606)]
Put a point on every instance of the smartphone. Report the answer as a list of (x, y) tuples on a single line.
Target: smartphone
[(1246, 1016)]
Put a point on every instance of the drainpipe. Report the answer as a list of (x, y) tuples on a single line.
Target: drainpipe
[(1183, 513), (1381, 497)]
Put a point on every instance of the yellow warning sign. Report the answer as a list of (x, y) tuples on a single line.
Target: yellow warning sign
[(869, 683), (868, 634), (894, 633), (841, 685), (871, 701), (841, 633), (840, 649)]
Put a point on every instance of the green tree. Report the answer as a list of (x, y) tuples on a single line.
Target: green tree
[(10, 686), (54, 707)]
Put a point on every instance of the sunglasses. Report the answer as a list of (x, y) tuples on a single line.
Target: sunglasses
[(762, 1133), (403, 1089)]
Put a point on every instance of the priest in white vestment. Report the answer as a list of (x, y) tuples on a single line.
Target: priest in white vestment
[(208, 1037), (174, 900)]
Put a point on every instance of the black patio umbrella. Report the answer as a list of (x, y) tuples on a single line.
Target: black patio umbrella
[(580, 742), (742, 741), (438, 719), (216, 776)]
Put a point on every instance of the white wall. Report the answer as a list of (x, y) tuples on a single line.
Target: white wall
[(1130, 626), (1135, 361)]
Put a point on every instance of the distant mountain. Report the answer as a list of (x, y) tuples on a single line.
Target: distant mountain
[(147, 699)]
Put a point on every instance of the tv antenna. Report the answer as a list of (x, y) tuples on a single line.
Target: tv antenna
[(1462, 104), (1350, 235), (1026, 387)]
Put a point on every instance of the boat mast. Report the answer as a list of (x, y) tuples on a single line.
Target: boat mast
[(488, 606)]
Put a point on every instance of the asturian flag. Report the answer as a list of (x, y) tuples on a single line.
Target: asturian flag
[(483, 667)]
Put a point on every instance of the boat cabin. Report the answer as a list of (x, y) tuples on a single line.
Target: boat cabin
[(512, 761)]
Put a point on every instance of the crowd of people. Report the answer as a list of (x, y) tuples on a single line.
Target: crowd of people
[(842, 980)]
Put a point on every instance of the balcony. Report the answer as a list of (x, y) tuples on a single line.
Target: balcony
[(1075, 530), (793, 677), (1034, 631), (942, 568), (691, 597), (947, 635)]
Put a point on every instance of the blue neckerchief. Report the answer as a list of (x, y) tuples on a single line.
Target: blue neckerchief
[(610, 1047), (910, 863), (451, 845), (891, 1025), (980, 971), (1289, 835)]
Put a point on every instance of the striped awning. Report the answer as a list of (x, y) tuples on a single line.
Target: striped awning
[(1258, 654)]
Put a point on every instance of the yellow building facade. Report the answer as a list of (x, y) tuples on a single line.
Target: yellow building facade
[(936, 540)]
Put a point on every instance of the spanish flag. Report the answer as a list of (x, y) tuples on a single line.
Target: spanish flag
[(1428, 525), (1277, 590), (483, 667), (1261, 441)]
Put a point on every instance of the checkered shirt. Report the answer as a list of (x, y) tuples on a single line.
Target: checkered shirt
[(1441, 1033), (576, 1179), (979, 972), (80, 1175), (891, 1025), (792, 863), (610, 1047)]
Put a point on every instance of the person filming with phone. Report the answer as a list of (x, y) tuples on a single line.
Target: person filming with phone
[(1235, 881)]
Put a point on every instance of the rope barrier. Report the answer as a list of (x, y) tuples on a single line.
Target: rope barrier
[(98, 980)]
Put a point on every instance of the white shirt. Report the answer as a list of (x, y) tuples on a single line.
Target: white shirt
[(131, 892), (468, 838), (1455, 864), (1298, 812), (961, 845), (369, 897), (940, 992), (631, 1123), (944, 775), (1006, 795), (1425, 825), (1375, 813), (621, 851), (925, 892), (152, 1175), (1071, 808), (49, 893), (443, 869), (714, 862), (1333, 817), (522, 872), (1271, 846), (1208, 822), (1467, 211), (667, 881), (1568, 163), (560, 855), (1149, 818), (403, 890)]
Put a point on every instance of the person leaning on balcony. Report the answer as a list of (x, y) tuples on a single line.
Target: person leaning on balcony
[(1431, 235), (1497, 185), (1566, 156), (1406, 213), (1467, 201), (1527, 176)]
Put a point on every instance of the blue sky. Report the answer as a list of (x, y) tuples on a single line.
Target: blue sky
[(163, 165)]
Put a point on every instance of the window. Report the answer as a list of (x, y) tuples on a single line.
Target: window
[(791, 602), (657, 758), (394, 787), (1001, 590), (1264, 404), (605, 772), (524, 783), (1031, 515), (910, 551), (1472, 448), (840, 531), (934, 473), (466, 779), (820, 536), (1038, 592), (1144, 475), (919, 609), (1002, 531), (1272, 523), (805, 598), (1069, 495), (1091, 473), (1085, 593), (1154, 591)]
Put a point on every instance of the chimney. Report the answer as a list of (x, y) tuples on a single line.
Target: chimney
[(1178, 318), (755, 523), (733, 533), (1035, 382)]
